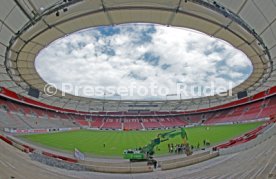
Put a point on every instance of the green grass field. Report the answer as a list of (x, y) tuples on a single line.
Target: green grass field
[(92, 142)]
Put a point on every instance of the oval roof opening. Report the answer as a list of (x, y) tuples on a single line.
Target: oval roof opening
[(142, 62)]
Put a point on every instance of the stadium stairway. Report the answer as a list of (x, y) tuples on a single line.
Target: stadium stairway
[(22, 119), (272, 173), (143, 127), (122, 127)]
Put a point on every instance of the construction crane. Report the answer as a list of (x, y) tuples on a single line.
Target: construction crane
[(147, 152)]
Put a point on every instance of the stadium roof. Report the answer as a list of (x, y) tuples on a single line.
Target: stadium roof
[(27, 26)]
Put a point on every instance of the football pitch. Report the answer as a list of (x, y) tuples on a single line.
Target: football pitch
[(113, 143)]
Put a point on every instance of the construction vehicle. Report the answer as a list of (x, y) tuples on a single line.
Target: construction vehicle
[(147, 152)]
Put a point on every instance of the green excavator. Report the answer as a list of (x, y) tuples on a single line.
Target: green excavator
[(147, 152)]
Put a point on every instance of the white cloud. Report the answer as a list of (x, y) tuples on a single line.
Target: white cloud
[(96, 57)]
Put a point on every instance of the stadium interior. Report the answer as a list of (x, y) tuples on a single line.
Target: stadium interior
[(29, 26)]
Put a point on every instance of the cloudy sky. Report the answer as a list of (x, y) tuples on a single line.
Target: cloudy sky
[(150, 61)]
